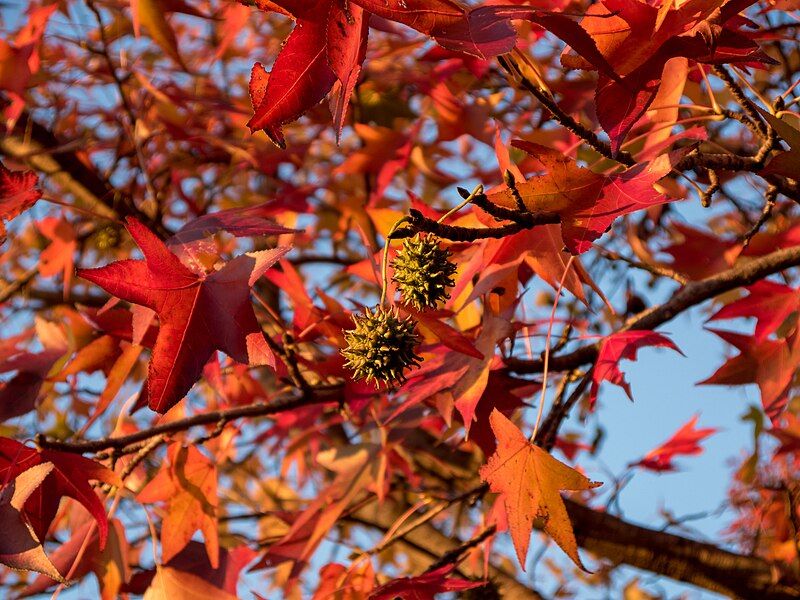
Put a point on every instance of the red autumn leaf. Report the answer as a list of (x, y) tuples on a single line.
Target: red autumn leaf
[(503, 393), (586, 202), (341, 583), (768, 302), (188, 485), (685, 441), (109, 564), (770, 364), (20, 394), (639, 39), (194, 559), (788, 434), (70, 477), (699, 254), (425, 586), (18, 192), (240, 222), (198, 314), (328, 44), (20, 547), (528, 480), (625, 344), (468, 389), (447, 335), (302, 75), (20, 60)]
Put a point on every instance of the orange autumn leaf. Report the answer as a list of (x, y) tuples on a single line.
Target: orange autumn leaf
[(171, 584), (188, 484), (528, 480)]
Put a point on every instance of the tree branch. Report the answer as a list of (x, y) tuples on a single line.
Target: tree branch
[(38, 147), (688, 296), (678, 558), (318, 395)]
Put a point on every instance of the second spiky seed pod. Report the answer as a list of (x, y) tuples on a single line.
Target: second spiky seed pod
[(423, 271), (381, 346), (107, 237)]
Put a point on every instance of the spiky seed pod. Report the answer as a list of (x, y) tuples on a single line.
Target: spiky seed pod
[(423, 272), (107, 237), (381, 347)]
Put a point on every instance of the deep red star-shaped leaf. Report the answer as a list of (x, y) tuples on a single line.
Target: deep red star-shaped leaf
[(198, 313)]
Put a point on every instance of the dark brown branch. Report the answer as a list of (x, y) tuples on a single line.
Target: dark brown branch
[(35, 145), (690, 295), (745, 102), (418, 222), (678, 558), (319, 395), (507, 62)]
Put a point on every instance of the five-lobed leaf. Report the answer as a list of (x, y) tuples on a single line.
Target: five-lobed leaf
[(528, 480), (615, 347), (198, 313), (188, 485)]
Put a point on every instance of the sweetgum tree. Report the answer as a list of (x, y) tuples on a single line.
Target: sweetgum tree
[(325, 298)]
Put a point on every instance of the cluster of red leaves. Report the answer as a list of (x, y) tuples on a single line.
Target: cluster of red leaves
[(216, 277)]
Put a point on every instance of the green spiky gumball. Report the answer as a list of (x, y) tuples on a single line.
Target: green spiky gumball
[(381, 346), (423, 272)]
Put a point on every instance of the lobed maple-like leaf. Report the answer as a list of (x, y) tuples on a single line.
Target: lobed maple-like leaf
[(18, 193), (615, 347), (425, 586), (20, 547), (587, 203), (639, 38), (770, 364), (685, 441), (188, 485), (768, 302), (69, 477), (328, 45), (528, 480), (198, 313)]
